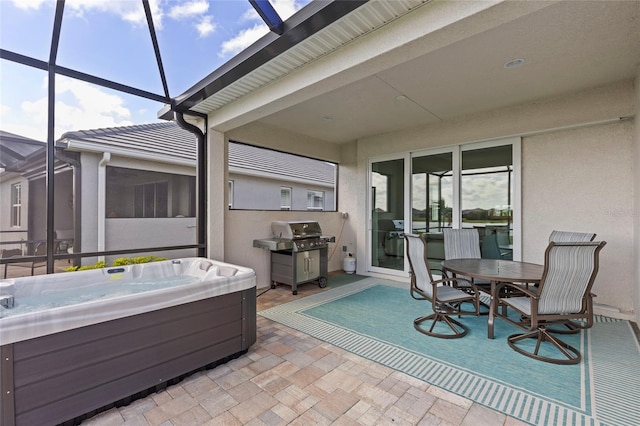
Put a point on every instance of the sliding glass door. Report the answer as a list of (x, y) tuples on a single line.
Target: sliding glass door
[(463, 186), (431, 192), (487, 193), (387, 204)]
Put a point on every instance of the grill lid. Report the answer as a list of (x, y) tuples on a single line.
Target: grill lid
[(297, 229)]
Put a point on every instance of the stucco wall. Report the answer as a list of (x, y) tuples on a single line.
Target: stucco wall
[(569, 147), (582, 180), (270, 137), (595, 161), (127, 233), (243, 226)]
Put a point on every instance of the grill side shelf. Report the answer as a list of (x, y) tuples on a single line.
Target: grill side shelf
[(273, 244)]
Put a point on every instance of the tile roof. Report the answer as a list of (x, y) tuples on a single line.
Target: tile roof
[(169, 139), (155, 138), (15, 149)]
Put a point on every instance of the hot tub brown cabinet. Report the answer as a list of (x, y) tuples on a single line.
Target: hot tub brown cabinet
[(55, 378)]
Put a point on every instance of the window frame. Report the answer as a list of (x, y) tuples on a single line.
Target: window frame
[(289, 197), (312, 195), (157, 189), (16, 205)]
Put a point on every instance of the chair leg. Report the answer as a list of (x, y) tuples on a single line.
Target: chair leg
[(456, 327), (570, 327), (571, 354)]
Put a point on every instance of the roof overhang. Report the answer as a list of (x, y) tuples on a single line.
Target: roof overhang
[(308, 21), (393, 65)]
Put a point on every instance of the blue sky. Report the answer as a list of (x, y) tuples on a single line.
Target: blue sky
[(110, 39)]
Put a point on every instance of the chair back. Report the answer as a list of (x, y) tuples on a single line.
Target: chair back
[(417, 256), (461, 244), (571, 237), (569, 272), (490, 248)]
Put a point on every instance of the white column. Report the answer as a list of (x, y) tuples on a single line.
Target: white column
[(636, 200), (217, 193), (102, 200)]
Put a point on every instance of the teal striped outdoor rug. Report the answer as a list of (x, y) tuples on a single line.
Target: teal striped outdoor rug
[(374, 319)]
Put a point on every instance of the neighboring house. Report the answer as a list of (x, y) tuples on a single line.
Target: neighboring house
[(263, 179), (14, 187), (22, 192), (125, 174)]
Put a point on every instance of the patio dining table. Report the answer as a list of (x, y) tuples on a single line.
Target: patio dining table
[(495, 271)]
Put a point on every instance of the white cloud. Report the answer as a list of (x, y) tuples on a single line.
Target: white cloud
[(286, 8), (248, 36), (90, 107), (189, 9), (206, 26), (195, 11), (128, 10), (79, 106), (29, 4), (243, 40)]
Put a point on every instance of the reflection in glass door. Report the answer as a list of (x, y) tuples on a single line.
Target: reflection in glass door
[(387, 214), (432, 202), (487, 193), (431, 193)]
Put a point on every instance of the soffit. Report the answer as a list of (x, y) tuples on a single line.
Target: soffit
[(568, 46), (366, 19)]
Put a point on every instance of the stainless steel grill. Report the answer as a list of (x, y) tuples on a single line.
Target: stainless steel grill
[(298, 253)]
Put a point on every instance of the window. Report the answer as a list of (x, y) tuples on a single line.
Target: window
[(315, 200), (265, 179), (285, 198), (16, 204), (145, 194), (150, 200)]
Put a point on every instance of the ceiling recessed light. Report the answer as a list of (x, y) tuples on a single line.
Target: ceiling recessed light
[(329, 118), (401, 98), (514, 63)]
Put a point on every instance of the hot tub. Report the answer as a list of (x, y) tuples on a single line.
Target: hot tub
[(77, 342)]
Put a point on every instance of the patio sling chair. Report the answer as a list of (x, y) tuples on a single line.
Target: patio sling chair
[(462, 244), (445, 299), (571, 237), (465, 244), (564, 294)]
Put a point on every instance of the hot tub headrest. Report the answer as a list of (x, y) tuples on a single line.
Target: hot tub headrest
[(226, 271)]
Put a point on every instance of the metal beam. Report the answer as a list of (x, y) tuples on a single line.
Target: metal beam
[(268, 15), (311, 19), (156, 48)]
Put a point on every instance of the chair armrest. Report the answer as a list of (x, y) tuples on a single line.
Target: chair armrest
[(527, 291), (449, 281)]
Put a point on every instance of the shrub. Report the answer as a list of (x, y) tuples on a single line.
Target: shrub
[(121, 261)]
